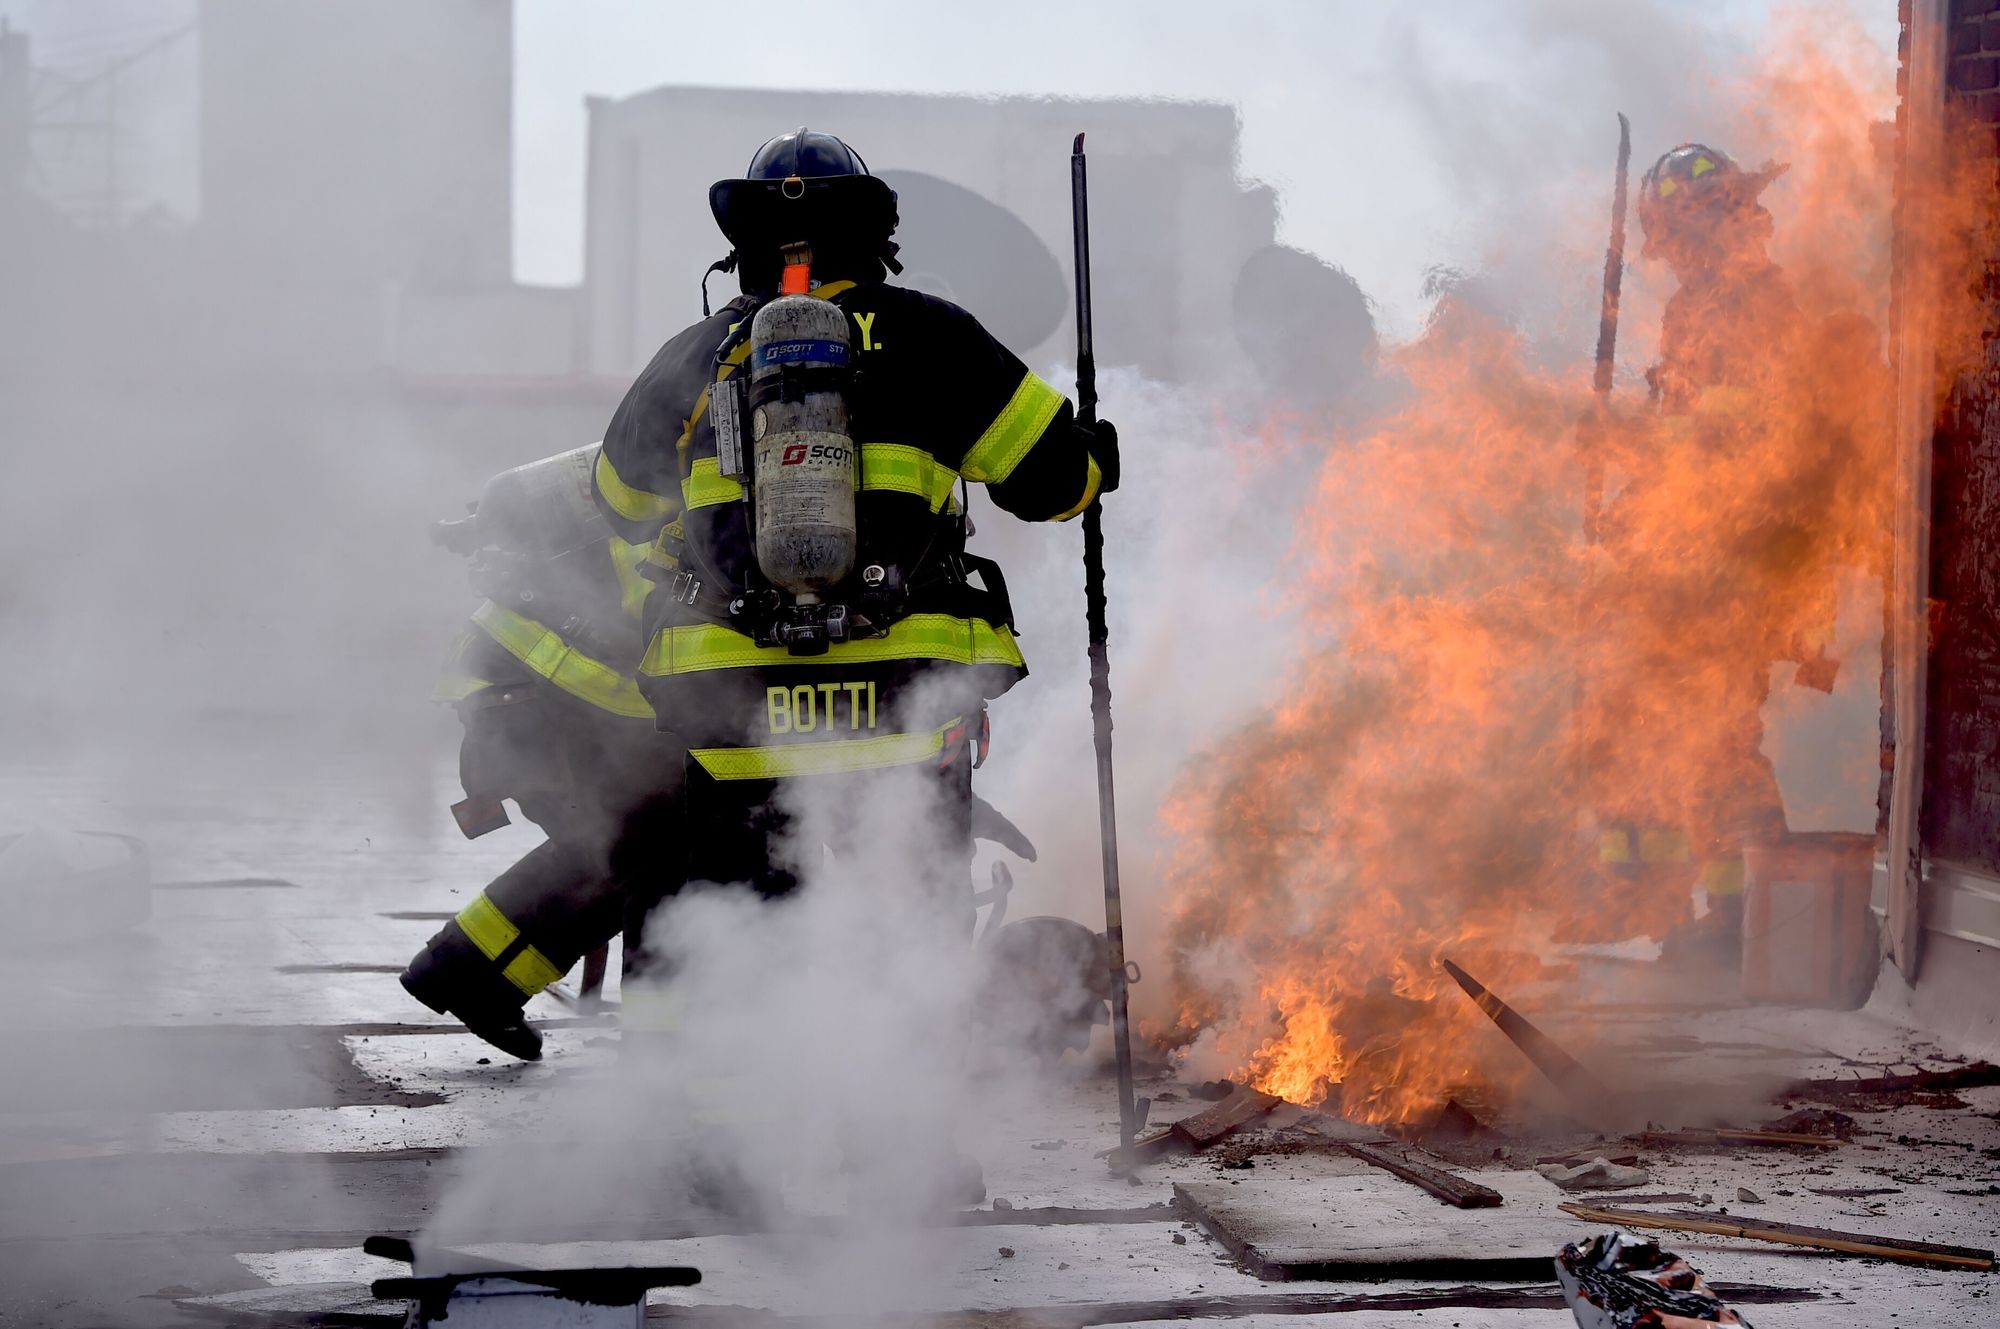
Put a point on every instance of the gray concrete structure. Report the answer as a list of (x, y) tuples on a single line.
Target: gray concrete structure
[(984, 187)]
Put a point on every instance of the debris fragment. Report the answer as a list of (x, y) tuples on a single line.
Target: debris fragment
[(1855, 1192), (1793, 1234), (1748, 1196), (1575, 1156), (1814, 1121), (1002, 1204), (1599, 1174), (1006, 1252), (1214, 1091), (1617, 1281), (1451, 1121), (1454, 1190), (1180, 1239)]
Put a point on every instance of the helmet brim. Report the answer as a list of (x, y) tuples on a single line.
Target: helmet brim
[(757, 212)]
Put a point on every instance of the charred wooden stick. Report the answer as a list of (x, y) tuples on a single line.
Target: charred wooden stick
[(1563, 1070), (1453, 1189), (1794, 1234)]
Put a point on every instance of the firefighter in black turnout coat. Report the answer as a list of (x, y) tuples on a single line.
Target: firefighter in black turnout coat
[(879, 676)]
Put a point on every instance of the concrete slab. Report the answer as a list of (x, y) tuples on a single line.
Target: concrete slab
[(1372, 1227)]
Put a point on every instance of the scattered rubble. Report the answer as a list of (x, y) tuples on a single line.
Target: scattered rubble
[(1814, 1121), (1599, 1174)]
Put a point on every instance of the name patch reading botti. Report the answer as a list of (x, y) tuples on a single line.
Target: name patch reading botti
[(813, 707)]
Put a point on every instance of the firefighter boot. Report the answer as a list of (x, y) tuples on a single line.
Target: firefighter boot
[(452, 978)]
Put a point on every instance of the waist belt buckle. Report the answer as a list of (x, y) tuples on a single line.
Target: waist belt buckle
[(684, 587)]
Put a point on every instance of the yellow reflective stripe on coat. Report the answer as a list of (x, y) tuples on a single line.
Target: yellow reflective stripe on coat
[(707, 486), (901, 469), (543, 650), (832, 757), (1093, 480), (633, 587), (1013, 432), (531, 971), (630, 503), (698, 647), (489, 929)]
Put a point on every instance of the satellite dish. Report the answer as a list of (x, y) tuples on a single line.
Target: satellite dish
[(962, 246)]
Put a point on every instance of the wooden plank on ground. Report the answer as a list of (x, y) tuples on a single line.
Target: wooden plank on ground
[(1233, 1113), (1367, 1226), (1794, 1234), (1453, 1189)]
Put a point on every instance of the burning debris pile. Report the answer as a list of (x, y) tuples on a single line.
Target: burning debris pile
[(1520, 721)]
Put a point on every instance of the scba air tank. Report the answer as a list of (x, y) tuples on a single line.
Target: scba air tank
[(804, 451)]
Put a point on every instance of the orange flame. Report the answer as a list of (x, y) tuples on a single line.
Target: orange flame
[(1491, 699)]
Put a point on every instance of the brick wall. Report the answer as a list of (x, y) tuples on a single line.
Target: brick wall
[(1961, 804)]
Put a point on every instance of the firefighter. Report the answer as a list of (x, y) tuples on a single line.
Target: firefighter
[(1726, 342), (542, 680), (869, 692), (1700, 215)]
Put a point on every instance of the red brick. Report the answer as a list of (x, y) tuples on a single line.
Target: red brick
[(1977, 74), (1986, 108), (1992, 29), (1965, 38), (1964, 9)]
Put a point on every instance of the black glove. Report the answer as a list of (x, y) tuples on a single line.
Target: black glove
[(1101, 441)]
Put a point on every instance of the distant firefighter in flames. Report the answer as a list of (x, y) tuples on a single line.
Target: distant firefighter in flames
[(1730, 339)]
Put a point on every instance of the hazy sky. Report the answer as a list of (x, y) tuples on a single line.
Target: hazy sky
[(1398, 135)]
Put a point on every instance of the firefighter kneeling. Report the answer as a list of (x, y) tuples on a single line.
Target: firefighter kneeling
[(542, 681)]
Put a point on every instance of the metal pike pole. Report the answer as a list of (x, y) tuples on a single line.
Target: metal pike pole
[(1607, 332), (1100, 664)]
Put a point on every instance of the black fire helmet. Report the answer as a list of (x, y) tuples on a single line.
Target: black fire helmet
[(1693, 187), (806, 186)]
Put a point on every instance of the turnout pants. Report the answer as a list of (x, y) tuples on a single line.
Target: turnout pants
[(912, 824), (604, 789)]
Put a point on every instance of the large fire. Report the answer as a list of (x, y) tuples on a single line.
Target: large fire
[(1495, 700)]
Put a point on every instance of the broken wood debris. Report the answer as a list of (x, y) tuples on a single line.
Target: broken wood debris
[(1793, 1234), (1204, 1128), (1454, 1190), (1729, 1137), (1232, 1113), (1975, 1076)]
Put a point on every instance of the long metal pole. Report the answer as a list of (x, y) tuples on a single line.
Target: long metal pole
[(1100, 663), (1607, 333)]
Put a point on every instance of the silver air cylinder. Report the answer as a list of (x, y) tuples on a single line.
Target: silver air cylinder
[(804, 465), (544, 508)]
